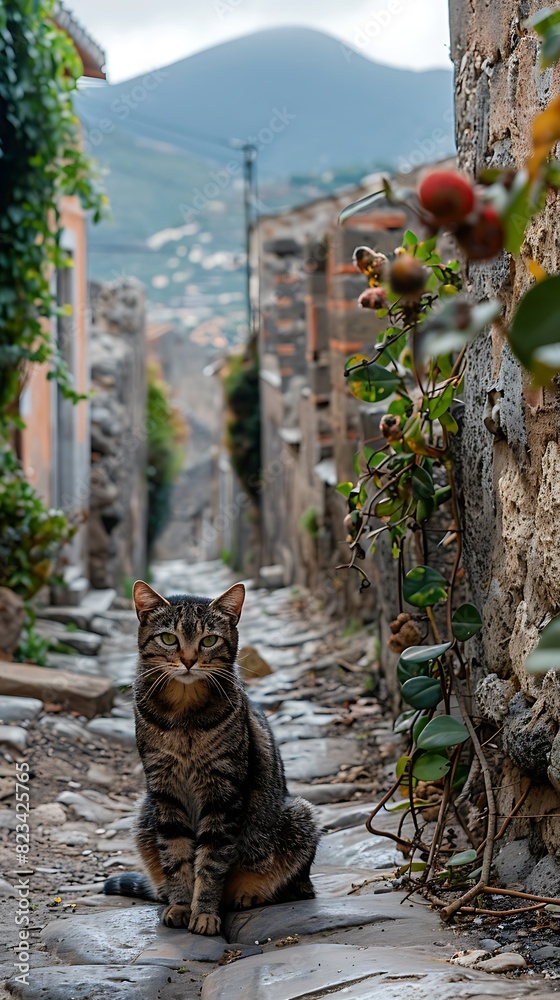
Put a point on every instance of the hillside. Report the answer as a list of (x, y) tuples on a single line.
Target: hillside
[(317, 112)]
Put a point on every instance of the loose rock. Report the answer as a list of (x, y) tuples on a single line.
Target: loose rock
[(505, 962), (14, 736), (87, 695), (13, 709)]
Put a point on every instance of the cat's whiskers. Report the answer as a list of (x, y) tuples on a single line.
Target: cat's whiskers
[(227, 675), (160, 681), (214, 680)]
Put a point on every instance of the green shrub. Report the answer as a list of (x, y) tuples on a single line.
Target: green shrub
[(31, 536), (243, 425), (166, 437), (310, 522)]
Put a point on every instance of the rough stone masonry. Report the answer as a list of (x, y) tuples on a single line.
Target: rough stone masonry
[(510, 446)]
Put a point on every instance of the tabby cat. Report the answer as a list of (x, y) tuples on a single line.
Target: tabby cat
[(216, 829)]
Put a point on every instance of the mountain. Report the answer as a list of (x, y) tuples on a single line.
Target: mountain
[(317, 112)]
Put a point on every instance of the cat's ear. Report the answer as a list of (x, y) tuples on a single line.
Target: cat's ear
[(231, 602), (146, 599)]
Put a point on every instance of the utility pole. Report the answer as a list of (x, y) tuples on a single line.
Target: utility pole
[(249, 159)]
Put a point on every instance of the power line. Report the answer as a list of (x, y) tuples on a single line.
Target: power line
[(232, 145)]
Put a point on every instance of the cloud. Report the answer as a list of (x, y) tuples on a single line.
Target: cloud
[(139, 35)]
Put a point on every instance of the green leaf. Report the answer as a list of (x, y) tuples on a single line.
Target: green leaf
[(402, 765), (360, 206), (345, 489), (466, 622), (402, 724), (439, 404), (389, 506), (546, 23), (412, 866), (395, 807), (546, 655), (424, 509), (409, 239), (442, 733), (550, 49), (442, 495), (464, 858), (447, 420), (423, 654), (544, 19), (424, 586), (407, 670), (371, 382), (460, 776), (524, 202), (424, 250), (422, 692), (419, 726), (422, 483), (535, 330), (430, 767)]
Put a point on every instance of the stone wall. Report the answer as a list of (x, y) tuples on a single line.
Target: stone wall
[(117, 523), (511, 478), (312, 426)]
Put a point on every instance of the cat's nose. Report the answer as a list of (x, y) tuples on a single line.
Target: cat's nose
[(187, 661)]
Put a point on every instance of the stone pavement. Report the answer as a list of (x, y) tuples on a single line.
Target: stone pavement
[(359, 940)]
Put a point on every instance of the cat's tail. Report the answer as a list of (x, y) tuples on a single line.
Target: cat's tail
[(131, 884)]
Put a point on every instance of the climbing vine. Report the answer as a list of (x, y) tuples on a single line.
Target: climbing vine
[(40, 162), (407, 489)]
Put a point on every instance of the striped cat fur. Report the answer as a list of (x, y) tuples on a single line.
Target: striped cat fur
[(217, 829)]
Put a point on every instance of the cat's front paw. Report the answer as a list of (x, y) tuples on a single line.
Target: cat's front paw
[(176, 915), (205, 923)]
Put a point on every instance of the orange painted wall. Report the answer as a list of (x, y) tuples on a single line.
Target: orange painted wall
[(37, 400)]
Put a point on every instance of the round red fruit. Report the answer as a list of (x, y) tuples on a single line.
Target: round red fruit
[(483, 237), (447, 195)]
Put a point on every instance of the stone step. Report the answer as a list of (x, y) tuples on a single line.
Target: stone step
[(13, 709), (98, 601), (87, 695), (74, 663), (86, 643), (97, 982), (114, 729), (397, 972), (67, 615), (72, 592)]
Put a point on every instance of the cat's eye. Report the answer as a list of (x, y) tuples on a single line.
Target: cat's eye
[(168, 638), (209, 640)]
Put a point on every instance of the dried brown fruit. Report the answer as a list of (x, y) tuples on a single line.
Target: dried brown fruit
[(390, 426), (406, 632)]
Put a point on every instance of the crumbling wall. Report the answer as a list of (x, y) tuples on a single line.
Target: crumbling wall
[(511, 464), (118, 509)]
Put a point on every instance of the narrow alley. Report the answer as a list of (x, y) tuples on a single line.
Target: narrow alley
[(360, 939)]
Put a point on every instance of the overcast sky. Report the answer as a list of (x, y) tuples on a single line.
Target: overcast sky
[(140, 35)]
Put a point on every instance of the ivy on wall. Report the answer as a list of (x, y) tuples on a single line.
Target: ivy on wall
[(40, 162)]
